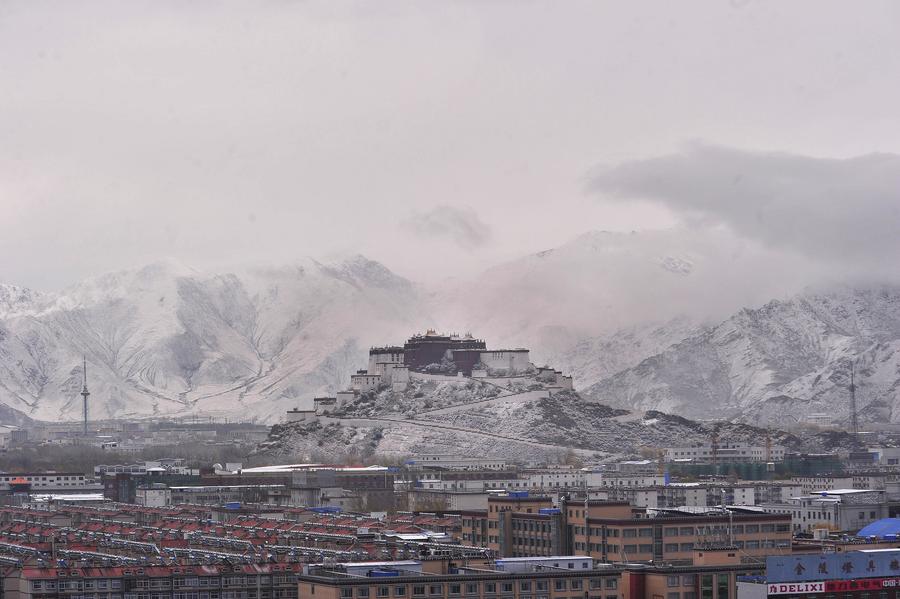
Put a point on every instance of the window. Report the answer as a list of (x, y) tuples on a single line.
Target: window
[(399, 591), (384, 591), (362, 592), (575, 585), (435, 589), (688, 580), (455, 589), (506, 587), (630, 548), (672, 581), (645, 548), (559, 585), (687, 530), (542, 585), (612, 583), (706, 586), (490, 587), (645, 532), (471, 588), (752, 528), (525, 585), (419, 590), (673, 595), (670, 547), (687, 546), (723, 586), (629, 533), (670, 532), (346, 593)]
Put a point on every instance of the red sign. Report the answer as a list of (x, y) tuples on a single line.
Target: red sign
[(861, 584)]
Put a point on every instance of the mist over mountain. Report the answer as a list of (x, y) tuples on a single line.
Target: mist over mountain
[(682, 321)]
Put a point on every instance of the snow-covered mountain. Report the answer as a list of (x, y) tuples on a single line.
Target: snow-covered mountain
[(779, 363), (649, 320), (165, 339)]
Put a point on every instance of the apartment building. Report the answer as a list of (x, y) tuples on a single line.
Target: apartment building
[(248, 581), (615, 531), (46, 481), (555, 577), (610, 532), (726, 452), (812, 484)]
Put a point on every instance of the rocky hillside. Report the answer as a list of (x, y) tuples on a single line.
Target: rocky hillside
[(778, 363), (520, 422)]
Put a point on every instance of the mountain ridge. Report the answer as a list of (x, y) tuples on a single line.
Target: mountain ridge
[(167, 339)]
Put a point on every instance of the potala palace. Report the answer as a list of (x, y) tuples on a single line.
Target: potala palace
[(436, 357)]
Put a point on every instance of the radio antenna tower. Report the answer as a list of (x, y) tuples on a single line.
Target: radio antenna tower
[(854, 421), (84, 392)]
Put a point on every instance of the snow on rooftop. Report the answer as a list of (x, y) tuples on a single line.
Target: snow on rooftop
[(69, 497), (543, 558), (293, 467)]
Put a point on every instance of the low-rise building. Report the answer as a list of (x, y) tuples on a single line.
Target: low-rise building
[(554, 577), (837, 510)]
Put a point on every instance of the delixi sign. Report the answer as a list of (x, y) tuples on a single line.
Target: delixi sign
[(796, 588)]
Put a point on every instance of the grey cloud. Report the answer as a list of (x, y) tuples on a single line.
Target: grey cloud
[(845, 210), (463, 226)]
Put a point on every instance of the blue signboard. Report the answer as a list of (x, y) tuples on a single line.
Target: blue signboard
[(833, 566)]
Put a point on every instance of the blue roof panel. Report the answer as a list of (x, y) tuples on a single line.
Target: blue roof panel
[(881, 528)]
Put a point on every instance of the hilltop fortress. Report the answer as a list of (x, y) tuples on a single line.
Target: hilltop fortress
[(436, 357)]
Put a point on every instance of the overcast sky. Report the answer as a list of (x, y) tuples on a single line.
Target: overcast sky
[(437, 134)]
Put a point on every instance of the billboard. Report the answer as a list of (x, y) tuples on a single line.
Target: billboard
[(833, 566), (831, 586), (795, 588)]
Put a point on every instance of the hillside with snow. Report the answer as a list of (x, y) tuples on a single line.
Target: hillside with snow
[(778, 363), (165, 339), (649, 321)]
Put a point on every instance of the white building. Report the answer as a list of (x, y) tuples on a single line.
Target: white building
[(364, 381), (298, 415), (555, 478), (46, 481), (604, 479), (838, 509), (509, 361), (812, 484), (726, 452), (448, 461), (153, 496), (324, 405)]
